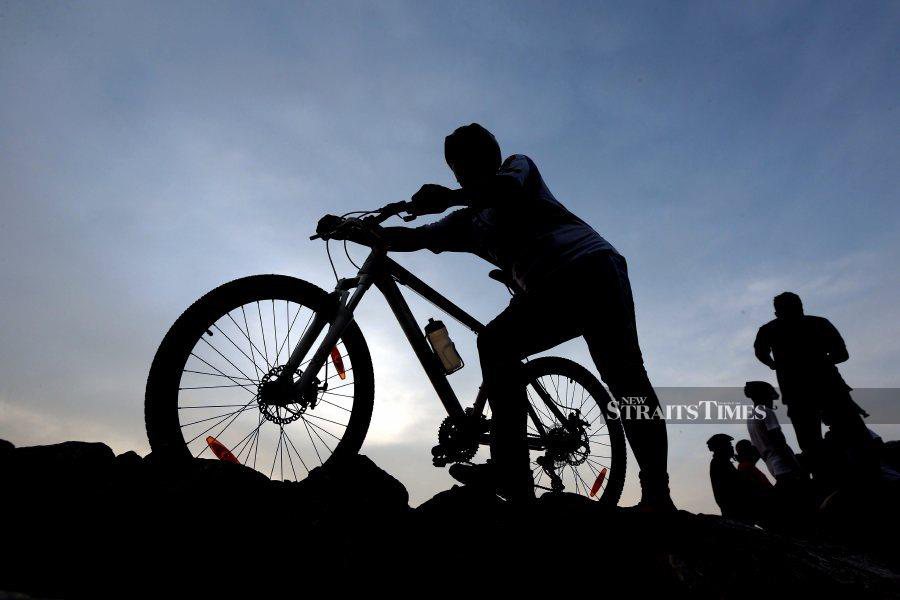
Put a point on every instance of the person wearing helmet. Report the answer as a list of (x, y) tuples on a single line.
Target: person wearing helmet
[(730, 489), (767, 436), (569, 282)]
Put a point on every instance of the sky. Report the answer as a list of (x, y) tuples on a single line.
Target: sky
[(151, 151)]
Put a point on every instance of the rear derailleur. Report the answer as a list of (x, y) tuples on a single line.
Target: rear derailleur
[(567, 444)]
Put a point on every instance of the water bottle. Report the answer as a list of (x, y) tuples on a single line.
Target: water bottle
[(443, 346)]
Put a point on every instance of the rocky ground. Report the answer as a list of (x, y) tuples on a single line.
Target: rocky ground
[(79, 521)]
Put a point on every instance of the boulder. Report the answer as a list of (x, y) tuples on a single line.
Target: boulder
[(203, 527)]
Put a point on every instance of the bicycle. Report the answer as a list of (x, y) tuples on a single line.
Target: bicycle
[(320, 383)]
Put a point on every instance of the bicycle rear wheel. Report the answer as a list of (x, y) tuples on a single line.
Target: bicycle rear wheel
[(591, 464), (205, 396)]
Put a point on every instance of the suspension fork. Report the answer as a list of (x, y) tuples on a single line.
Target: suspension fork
[(339, 313)]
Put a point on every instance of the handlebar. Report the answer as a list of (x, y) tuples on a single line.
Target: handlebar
[(376, 217)]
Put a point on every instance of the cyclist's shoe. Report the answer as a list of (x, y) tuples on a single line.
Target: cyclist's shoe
[(475, 475), (655, 496), (658, 506), (487, 476)]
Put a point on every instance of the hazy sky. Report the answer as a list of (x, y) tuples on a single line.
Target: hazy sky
[(152, 151)]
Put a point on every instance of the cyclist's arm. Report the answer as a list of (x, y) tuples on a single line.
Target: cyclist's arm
[(834, 343), (404, 239), (452, 233), (763, 348), (507, 186)]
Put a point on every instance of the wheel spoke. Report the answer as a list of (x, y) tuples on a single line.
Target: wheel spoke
[(322, 429), (226, 415), (235, 413), (275, 458), (324, 419), (228, 360), (323, 400), (227, 425), (253, 349), (215, 374), (248, 439), (229, 377), (212, 387), (291, 443), (263, 333), (211, 406), (239, 349), (305, 424)]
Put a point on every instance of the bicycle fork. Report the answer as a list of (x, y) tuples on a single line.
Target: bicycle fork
[(339, 313)]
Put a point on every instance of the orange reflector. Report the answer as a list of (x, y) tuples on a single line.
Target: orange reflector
[(219, 449), (338, 362), (600, 478)]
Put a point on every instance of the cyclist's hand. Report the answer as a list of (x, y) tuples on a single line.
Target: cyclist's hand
[(430, 199), (328, 224), (370, 235)]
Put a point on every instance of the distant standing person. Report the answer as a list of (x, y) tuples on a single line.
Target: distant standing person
[(804, 351)]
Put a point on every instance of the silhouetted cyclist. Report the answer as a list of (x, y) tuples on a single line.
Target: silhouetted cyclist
[(569, 282), (804, 351)]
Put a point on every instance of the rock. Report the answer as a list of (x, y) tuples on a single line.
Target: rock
[(79, 455), (356, 480), (75, 466), (6, 450), (890, 454), (129, 459), (228, 530)]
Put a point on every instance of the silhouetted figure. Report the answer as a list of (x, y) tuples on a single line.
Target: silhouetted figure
[(793, 492), (734, 495), (767, 437), (568, 281), (747, 456), (804, 351)]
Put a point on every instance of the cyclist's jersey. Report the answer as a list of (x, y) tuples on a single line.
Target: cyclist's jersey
[(529, 237)]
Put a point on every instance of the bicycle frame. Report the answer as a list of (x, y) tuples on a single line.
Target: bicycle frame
[(385, 274)]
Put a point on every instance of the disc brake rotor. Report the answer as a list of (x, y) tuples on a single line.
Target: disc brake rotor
[(280, 403)]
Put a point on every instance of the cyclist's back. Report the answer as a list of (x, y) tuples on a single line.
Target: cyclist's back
[(528, 233)]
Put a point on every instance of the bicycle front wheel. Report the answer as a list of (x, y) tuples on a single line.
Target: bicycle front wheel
[(204, 395)]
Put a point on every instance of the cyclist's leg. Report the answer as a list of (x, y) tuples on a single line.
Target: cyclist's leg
[(528, 325), (612, 339)]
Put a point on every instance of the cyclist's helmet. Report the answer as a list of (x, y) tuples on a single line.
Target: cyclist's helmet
[(472, 152), (719, 440)]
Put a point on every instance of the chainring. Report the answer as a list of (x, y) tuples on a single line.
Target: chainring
[(458, 438)]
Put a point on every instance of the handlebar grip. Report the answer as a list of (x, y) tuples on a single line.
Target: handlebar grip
[(315, 237)]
